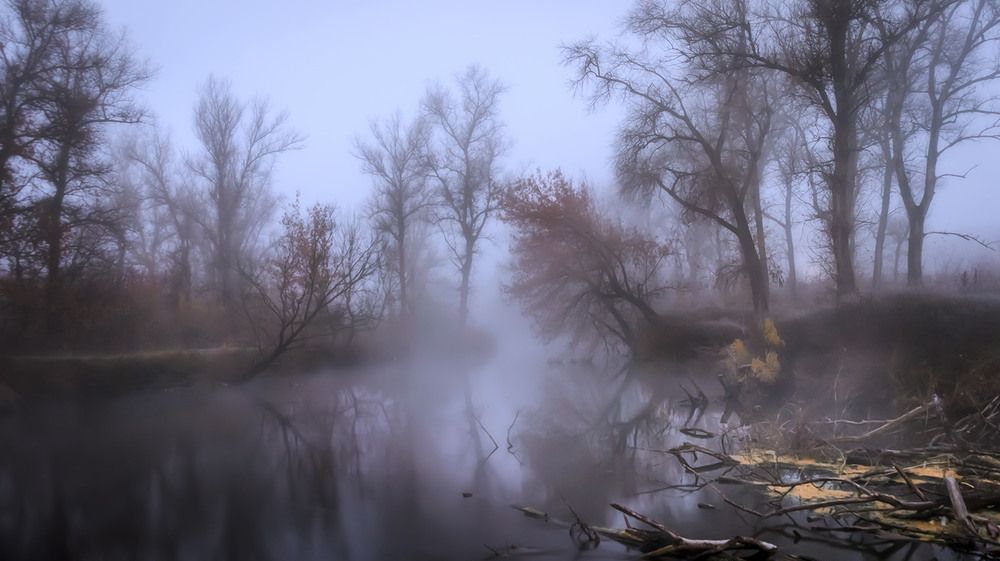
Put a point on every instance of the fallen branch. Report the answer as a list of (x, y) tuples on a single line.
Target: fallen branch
[(884, 428), (682, 545), (661, 541), (958, 506), (909, 482)]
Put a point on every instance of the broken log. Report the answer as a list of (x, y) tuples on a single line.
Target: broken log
[(958, 506)]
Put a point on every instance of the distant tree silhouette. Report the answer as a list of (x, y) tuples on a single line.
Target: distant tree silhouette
[(239, 144), (468, 139), (397, 162)]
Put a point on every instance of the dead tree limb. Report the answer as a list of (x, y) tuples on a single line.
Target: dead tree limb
[(682, 545), (958, 506), (884, 428)]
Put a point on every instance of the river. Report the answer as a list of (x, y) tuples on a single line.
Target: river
[(383, 463)]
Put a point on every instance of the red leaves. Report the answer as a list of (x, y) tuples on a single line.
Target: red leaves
[(574, 268)]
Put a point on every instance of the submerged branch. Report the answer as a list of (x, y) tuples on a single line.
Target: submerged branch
[(661, 541)]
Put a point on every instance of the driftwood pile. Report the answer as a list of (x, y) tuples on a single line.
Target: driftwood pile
[(839, 479), (851, 477)]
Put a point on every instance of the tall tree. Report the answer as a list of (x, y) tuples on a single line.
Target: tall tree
[(792, 157), (67, 79), (692, 132), (938, 97), (831, 50), (240, 142), (168, 230), (468, 140), (397, 162)]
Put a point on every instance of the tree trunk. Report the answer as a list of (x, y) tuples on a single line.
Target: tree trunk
[(915, 249), (793, 279), (755, 270), (52, 234), (842, 183), (788, 227), (883, 216), (404, 304), (463, 296), (761, 238)]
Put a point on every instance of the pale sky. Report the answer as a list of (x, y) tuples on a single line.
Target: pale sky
[(334, 65)]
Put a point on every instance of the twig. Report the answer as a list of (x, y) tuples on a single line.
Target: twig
[(510, 445), (646, 520), (592, 537), (495, 445), (695, 432), (966, 237)]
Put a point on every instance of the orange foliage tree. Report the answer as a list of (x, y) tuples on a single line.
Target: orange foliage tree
[(576, 270)]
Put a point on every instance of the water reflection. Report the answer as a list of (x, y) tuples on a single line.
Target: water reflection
[(398, 462)]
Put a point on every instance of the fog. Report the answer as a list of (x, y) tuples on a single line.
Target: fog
[(445, 280), (386, 462)]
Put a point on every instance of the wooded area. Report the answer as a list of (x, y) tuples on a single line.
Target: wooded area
[(754, 134)]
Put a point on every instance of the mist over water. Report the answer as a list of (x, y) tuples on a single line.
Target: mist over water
[(378, 463)]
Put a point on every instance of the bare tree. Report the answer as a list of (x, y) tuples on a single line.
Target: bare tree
[(468, 141), (320, 266), (792, 155), (831, 50), (67, 79), (937, 78), (27, 36), (398, 164), (170, 217), (692, 132), (240, 142)]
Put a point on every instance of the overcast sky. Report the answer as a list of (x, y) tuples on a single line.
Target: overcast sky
[(334, 65)]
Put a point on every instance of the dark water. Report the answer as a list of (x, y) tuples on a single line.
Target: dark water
[(381, 464)]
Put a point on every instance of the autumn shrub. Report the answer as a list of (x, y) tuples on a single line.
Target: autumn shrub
[(577, 271)]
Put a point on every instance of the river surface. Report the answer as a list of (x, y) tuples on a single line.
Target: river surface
[(384, 463)]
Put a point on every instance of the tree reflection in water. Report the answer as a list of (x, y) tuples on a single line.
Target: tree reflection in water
[(373, 466)]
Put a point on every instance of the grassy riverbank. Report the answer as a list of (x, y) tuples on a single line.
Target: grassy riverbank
[(121, 373)]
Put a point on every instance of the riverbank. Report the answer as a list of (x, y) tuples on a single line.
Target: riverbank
[(877, 355), (123, 373)]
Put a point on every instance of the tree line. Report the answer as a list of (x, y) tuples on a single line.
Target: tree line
[(743, 121), (112, 236), (750, 118)]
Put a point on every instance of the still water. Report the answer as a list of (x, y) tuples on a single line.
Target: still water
[(380, 464)]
